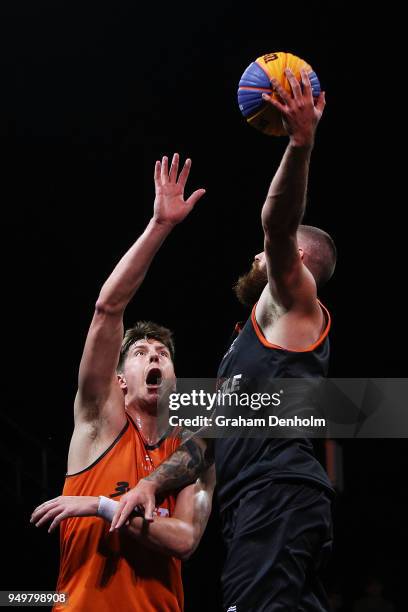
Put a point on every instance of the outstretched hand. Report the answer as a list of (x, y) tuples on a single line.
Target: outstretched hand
[(300, 112), (63, 507), (170, 207)]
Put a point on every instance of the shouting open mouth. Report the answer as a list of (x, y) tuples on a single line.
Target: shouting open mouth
[(154, 378)]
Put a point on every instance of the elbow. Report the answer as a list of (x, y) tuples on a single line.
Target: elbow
[(272, 229), (272, 221), (107, 308), (186, 547)]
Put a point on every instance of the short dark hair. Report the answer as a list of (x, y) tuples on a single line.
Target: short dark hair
[(321, 253), (142, 330)]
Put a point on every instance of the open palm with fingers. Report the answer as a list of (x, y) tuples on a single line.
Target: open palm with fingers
[(170, 206), (301, 113)]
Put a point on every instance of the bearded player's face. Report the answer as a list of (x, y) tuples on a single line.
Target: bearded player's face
[(260, 261), (249, 287)]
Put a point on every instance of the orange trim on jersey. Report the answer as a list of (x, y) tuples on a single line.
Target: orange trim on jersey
[(268, 344)]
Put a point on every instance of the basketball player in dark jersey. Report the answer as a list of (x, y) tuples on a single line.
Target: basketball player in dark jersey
[(275, 497)]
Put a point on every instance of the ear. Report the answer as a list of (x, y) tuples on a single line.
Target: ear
[(301, 253), (122, 383)]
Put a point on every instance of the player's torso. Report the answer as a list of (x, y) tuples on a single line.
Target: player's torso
[(110, 571), (251, 365)]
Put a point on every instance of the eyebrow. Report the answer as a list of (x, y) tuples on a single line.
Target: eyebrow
[(161, 347)]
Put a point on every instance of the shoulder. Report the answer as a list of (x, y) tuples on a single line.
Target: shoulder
[(295, 329)]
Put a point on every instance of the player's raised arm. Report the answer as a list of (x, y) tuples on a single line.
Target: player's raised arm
[(101, 352), (96, 403), (289, 281)]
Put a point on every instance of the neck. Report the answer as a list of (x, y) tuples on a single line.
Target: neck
[(150, 427)]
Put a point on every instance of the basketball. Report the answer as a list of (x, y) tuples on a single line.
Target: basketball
[(256, 80)]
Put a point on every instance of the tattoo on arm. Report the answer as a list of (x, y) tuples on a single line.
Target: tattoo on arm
[(184, 466)]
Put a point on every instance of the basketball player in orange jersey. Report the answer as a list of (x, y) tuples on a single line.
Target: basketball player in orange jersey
[(116, 442), (274, 495)]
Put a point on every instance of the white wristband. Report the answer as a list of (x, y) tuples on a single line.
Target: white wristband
[(107, 508)]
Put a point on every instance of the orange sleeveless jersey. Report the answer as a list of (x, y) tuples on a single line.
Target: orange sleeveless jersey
[(111, 572)]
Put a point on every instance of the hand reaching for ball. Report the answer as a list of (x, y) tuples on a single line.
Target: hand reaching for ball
[(300, 112)]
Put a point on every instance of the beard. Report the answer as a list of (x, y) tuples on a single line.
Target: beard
[(249, 287)]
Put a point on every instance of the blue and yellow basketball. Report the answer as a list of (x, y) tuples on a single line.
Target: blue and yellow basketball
[(256, 80)]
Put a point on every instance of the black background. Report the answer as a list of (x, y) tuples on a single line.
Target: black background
[(92, 94)]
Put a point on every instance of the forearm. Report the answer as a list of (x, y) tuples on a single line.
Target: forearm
[(129, 273), (285, 203), (183, 467), (169, 536), (180, 534)]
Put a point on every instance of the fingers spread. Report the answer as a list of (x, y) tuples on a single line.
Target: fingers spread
[(307, 88), (294, 84), (278, 105), (157, 172), (321, 101), (174, 168), (195, 196), (182, 179), (284, 97), (164, 170)]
